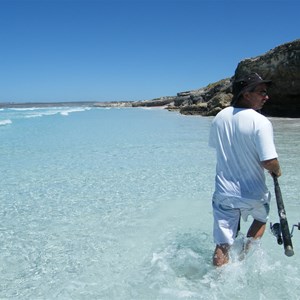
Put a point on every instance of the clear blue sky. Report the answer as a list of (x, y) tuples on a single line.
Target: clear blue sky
[(110, 50)]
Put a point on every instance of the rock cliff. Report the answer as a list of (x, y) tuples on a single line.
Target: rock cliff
[(281, 65)]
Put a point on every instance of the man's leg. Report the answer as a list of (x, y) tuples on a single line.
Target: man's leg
[(255, 232), (226, 226), (221, 255)]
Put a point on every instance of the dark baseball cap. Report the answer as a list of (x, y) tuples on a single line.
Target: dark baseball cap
[(246, 83)]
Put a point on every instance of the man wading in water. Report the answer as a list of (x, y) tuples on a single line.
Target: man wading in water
[(243, 140)]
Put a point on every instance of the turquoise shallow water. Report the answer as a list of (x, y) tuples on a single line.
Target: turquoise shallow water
[(115, 204)]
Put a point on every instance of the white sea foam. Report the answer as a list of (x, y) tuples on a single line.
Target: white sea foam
[(34, 116), (67, 111), (50, 111), (5, 122), (37, 114)]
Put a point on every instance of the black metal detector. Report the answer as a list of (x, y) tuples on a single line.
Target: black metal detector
[(281, 230)]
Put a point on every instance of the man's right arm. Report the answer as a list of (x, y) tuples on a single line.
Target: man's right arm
[(272, 165)]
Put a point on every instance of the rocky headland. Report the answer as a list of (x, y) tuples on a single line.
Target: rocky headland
[(281, 65)]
